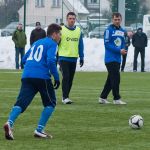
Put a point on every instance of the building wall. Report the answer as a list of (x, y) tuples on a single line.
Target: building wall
[(91, 5), (46, 14), (2, 2)]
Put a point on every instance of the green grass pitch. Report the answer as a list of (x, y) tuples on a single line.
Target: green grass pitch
[(84, 125)]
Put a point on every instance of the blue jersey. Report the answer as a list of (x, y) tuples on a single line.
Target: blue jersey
[(114, 41), (40, 60)]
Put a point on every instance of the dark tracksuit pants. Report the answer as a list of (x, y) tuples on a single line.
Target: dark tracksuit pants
[(136, 52), (68, 71), (124, 57), (21, 52), (113, 81), (30, 87)]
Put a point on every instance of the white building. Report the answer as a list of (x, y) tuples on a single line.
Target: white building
[(2, 2), (51, 11)]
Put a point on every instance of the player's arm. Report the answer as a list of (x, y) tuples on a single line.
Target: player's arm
[(81, 50), (81, 47), (108, 43), (51, 61), (26, 56), (123, 51)]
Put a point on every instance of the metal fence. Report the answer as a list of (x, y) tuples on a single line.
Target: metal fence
[(93, 16)]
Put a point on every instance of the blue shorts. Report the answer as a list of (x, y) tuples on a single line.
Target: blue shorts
[(30, 87)]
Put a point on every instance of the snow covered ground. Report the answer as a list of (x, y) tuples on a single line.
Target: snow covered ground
[(94, 54)]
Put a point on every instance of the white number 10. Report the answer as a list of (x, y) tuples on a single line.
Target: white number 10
[(38, 53)]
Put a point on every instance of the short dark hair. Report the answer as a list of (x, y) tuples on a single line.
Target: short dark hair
[(71, 13), (61, 24), (19, 23), (37, 23), (53, 28), (140, 29), (116, 14)]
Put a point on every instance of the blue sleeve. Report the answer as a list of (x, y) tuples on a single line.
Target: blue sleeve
[(26, 56), (107, 41), (123, 45), (81, 47), (51, 60)]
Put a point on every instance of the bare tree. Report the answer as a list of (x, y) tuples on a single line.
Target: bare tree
[(9, 13)]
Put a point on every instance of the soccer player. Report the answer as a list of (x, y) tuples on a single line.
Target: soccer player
[(70, 47), (114, 46), (40, 63)]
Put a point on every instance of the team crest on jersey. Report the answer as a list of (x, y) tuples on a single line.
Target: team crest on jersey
[(117, 42), (118, 33)]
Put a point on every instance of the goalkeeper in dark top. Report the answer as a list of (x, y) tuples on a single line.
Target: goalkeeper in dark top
[(39, 65)]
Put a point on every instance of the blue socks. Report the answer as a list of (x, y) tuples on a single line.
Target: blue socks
[(46, 114), (16, 110)]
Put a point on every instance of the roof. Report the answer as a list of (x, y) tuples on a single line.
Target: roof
[(78, 6)]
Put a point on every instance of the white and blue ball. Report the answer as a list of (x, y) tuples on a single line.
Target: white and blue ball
[(136, 122)]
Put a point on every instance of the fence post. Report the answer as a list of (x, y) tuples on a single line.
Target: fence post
[(62, 12), (99, 15), (24, 23), (121, 9)]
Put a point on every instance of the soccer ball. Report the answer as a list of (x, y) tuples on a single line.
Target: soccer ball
[(136, 122)]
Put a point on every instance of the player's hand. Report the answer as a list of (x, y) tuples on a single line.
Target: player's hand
[(56, 84), (81, 62), (123, 51)]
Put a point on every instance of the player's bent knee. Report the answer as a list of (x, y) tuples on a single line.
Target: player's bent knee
[(50, 103), (23, 107), (48, 110)]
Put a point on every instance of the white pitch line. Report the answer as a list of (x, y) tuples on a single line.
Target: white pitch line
[(10, 72), (15, 96), (9, 88), (95, 91)]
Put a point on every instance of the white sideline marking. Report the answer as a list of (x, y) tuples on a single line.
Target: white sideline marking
[(10, 72), (14, 90), (98, 91), (9, 88), (8, 91), (7, 81)]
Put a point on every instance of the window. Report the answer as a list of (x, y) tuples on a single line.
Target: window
[(39, 3), (94, 1), (58, 20), (56, 3)]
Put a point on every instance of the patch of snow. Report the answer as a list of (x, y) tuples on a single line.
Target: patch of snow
[(94, 54)]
